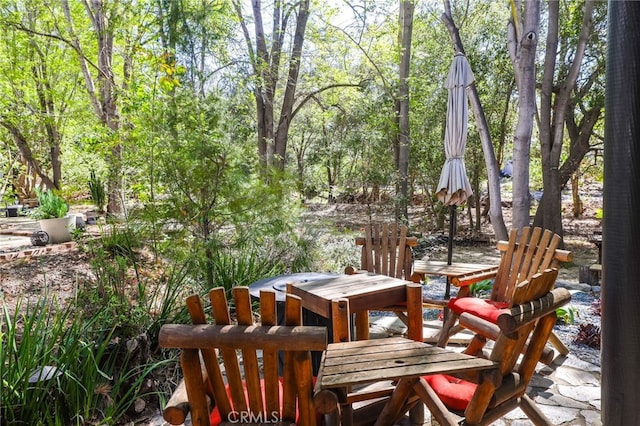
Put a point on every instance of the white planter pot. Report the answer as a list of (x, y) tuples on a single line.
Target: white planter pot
[(59, 229)]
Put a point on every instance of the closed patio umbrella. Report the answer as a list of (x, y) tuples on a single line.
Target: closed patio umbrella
[(454, 187)]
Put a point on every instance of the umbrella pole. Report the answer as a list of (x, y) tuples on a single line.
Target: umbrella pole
[(452, 232)]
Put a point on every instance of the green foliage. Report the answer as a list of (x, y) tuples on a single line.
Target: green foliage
[(231, 268), (96, 188), (60, 369), (120, 241), (567, 314), (481, 289), (50, 206)]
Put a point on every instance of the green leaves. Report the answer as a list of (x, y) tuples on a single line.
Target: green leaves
[(50, 206)]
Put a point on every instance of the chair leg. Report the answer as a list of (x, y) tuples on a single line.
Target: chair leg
[(558, 344), (447, 329), (533, 411)]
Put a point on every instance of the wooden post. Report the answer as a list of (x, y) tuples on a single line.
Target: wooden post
[(340, 320)]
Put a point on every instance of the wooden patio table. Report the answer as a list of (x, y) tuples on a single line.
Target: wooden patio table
[(348, 364), (459, 274), (360, 293)]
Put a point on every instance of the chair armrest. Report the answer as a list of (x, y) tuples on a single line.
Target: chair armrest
[(520, 315), (474, 277), (350, 270), (178, 408)]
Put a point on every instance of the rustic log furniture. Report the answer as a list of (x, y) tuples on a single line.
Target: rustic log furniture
[(458, 388), (359, 294), (387, 250), (252, 392), (522, 256), (351, 364), (337, 299), (522, 328)]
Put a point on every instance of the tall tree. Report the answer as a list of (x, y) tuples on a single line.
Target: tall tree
[(403, 140), (37, 89), (557, 102), (101, 86), (266, 62), (523, 36)]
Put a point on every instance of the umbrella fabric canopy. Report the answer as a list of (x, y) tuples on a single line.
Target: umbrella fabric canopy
[(454, 187)]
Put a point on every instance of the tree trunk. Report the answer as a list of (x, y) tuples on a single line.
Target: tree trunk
[(27, 154), (406, 30), (554, 105), (272, 142), (282, 132), (523, 39), (578, 206), (105, 101)]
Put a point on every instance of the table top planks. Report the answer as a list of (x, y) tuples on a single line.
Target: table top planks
[(363, 290), (367, 361), (435, 267)]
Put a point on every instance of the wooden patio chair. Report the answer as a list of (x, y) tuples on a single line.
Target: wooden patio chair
[(522, 256), (387, 250), (522, 328), (226, 380)]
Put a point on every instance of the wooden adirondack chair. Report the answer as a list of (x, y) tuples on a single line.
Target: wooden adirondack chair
[(522, 328), (247, 391), (386, 250), (522, 257)]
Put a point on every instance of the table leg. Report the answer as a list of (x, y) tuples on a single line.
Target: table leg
[(392, 411), (447, 296), (362, 325), (340, 321)]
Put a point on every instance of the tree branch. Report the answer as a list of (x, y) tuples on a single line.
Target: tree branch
[(316, 92)]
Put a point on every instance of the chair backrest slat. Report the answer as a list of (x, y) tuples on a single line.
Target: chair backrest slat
[(386, 250), (401, 253), (222, 316), (383, 248), (244, 316), (268, 316), (292, 317)]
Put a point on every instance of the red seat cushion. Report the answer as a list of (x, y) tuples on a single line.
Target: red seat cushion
[(453, 392), (488, 310)]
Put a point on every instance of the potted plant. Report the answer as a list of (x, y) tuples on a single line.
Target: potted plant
[(52, 215)]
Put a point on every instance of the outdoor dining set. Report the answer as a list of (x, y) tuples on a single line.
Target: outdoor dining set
[(250, 366)]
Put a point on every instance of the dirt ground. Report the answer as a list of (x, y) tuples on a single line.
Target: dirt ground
[(62, 272)]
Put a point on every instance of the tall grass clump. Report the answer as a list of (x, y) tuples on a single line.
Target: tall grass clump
[(61, 369), (96, 189)]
